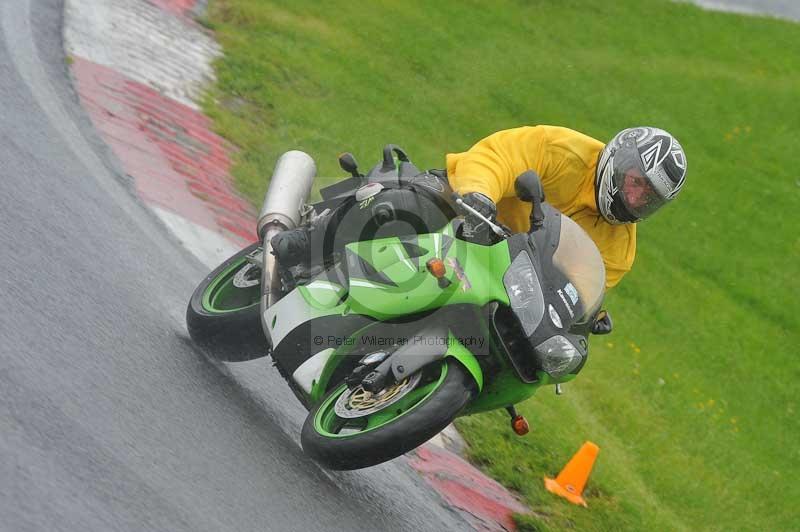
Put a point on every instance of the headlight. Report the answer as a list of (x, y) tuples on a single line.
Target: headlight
[(524, 292), (557, 356)]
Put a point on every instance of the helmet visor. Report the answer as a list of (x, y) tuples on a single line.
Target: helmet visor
[(635, 188)]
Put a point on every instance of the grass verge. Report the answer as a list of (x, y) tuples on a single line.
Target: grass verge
[(693, 399)]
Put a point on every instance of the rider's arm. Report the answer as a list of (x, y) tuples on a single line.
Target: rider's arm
[(565, 160), (491, 166)]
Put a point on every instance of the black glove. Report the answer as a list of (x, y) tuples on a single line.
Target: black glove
[(475, 229)]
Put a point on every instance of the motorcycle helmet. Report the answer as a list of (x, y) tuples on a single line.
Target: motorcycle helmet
[(638, 171)]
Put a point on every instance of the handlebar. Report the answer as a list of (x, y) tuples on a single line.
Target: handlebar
[(496, 229), (528, 187)]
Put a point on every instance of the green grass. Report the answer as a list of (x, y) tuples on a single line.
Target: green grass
[(693, 399)]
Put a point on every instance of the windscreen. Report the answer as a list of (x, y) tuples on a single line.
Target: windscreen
[(579, 260)]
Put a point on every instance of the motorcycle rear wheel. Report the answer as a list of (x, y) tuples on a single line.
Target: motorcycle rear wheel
[(353, 443), (224, 318)]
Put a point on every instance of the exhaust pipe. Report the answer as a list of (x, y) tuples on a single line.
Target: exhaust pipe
[(288, 191)]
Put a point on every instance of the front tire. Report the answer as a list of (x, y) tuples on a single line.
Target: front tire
[(436, 400), (224, 318)]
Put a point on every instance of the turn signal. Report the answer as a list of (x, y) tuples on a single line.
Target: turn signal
[(436, 267), (520, 425)]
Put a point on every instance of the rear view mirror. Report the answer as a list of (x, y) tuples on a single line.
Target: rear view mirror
[(528, 187)]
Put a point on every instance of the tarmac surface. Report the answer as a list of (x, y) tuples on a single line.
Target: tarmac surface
[(109, 417)]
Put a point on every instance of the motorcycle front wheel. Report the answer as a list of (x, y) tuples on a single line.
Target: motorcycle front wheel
[(223, 314), (351, 429)]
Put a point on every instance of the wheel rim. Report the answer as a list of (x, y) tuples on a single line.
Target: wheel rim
[(233, 289), (329, 424)]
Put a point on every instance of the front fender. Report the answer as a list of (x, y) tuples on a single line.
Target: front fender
[(419, 350), (430, 345)]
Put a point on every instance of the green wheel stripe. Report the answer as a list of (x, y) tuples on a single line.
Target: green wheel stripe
[(212, 289), (414, 396), (325, 414)]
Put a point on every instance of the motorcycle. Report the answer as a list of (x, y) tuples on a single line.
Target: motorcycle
[(396, 334)]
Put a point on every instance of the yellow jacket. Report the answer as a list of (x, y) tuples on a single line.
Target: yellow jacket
[(566, 161)]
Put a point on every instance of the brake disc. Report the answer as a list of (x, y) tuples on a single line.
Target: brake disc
[(359, 402), (248, 276)]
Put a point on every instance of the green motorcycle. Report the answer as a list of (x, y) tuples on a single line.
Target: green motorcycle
[(392, 337)]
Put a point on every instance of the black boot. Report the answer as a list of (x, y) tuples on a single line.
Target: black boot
[(292, 247)]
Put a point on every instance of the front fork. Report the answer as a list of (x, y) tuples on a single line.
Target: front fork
[(270, 279)]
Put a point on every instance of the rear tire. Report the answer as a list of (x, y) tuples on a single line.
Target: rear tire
[(396, 436), (225, 319)]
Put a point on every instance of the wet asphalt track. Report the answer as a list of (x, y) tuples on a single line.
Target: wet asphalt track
[(109, 418)]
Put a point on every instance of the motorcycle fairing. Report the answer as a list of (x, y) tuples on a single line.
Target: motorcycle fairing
[(568, 308), (396, 283)]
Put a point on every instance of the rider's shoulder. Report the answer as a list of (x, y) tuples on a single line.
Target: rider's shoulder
[(575, 143)]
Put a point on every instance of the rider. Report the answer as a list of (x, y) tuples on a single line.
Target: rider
[(605, 189)]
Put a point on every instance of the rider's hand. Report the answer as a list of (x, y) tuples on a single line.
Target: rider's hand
[(475, 229)]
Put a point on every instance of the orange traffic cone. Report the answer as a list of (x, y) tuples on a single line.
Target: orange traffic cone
[(570, 482)]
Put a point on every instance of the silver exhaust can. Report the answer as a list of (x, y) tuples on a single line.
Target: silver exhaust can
[(288, 190)]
